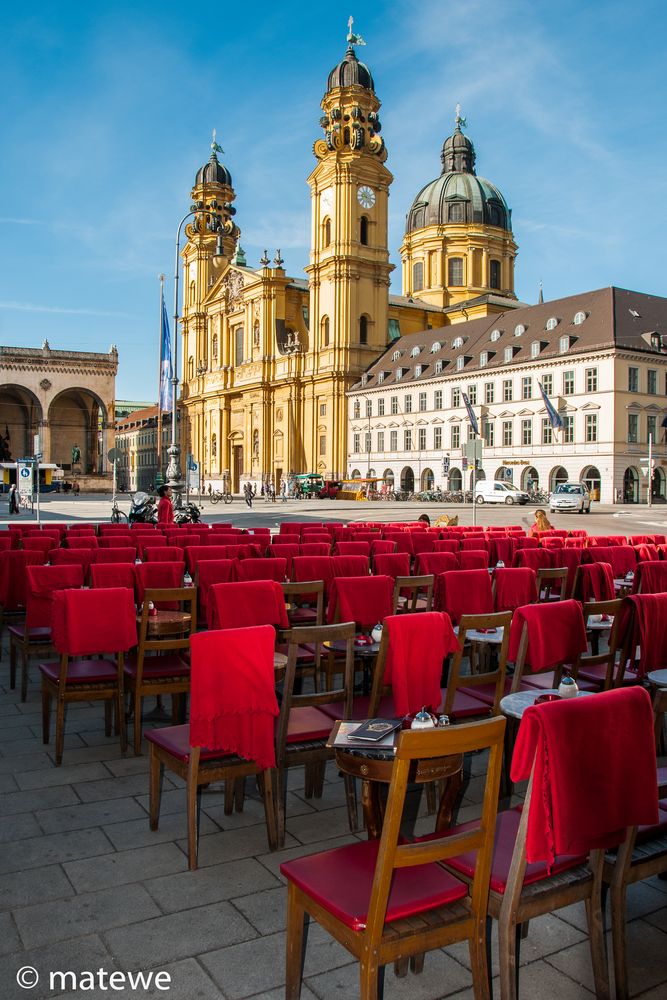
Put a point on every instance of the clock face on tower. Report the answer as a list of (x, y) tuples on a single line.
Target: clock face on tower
[(366, 196)]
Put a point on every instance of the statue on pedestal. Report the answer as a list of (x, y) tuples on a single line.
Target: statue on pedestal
[(76, 454)]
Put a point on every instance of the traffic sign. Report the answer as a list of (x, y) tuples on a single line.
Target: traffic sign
[(25, 473), (445, 465), (112, 454)]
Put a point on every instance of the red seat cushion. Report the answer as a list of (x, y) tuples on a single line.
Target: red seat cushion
[(466, 705), (545, 682), (341, 880), (486, 692), (171, 665), (507, 825), (307, 723), (82, 671), (590, 678), (176, 741), (645, 833), (386, 709), (36, 634)]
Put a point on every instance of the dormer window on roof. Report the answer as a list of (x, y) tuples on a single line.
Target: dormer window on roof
[(435, 347), (457, 342), (552, 323), (508, 355), (460, 362), (519, 330), (418, 370), (535, 348), (483, 359), (415, 352), (399, 374), (380, 377), (438, 367), (495, 335), (579, 318), (564, 345), (396, 355), (364, 379)]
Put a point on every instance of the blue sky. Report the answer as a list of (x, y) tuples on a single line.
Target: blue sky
[(108, 110)]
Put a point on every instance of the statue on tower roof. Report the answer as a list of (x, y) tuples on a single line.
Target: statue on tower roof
[(353, 39), (215, 146), (459, 121)]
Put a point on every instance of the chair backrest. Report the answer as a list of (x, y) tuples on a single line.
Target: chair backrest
[(435, 562), (261, 569), (513, 587), (194, 554), (240, 605), (72, 557), (313, 593), (126, 554), (545, 636), (86, 622), (417, 591), (353, 548), (382, 547), (350, 565), (117, 539), (476, 544), (410, 660), (208, 572), (594, 582), (622, 558), (463, 592), (423, 542), (501, 550), (314, 548), (365, 600), (650, 578), (312, 568), (163, 553), (233, 702), (113, 575), (495, 675), (178, 637), (551, 583), (39, 543), (165, 575), (643, 624), (594, 612), (473, 559), (535, 558), (392, 564), (82, 541), (571, 559), (43, 581), (13, 578)]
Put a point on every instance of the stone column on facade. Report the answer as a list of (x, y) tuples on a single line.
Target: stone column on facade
[(469, 277), (486, 273)]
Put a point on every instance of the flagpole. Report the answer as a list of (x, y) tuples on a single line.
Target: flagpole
[(159, 386)]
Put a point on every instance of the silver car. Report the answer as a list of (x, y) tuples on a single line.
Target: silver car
[(571, 496)]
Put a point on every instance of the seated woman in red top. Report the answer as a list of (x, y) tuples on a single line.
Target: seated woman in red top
[(165, 509)]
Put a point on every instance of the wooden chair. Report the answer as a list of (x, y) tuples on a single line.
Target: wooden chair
[(303, 728), (87, 623), (230, 669), (551, 584), (478, 694), (159, 665), (538, 664), (602, 669), (413, 593), (642, 855), (400, 902), (308, 601)]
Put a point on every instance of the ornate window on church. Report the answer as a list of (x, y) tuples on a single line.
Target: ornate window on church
[(214, 446), (363, 231), (494, 274), (325, 331), (417, 276), (214, 347), (363, 329), (238, 345), (326, 232), (455, 271)]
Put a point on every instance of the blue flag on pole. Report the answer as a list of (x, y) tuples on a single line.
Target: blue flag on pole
[(554, 415), (471, 413), (166, 371)]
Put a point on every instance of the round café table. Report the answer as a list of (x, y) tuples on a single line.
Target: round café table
[(374, 769)]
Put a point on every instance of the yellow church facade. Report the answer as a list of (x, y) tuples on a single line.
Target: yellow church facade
[(268, 359)]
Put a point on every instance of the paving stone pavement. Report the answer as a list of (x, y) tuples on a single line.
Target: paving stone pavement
[(85, 885)]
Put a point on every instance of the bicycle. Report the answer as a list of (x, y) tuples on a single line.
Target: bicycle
[(118, 516), (217, 495)]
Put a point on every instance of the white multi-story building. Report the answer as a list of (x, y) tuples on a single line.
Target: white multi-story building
[(601, 358)]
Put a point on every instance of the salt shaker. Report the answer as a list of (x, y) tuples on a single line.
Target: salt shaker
[(500, 564), (568, 687), (423, 720), (376, 632)]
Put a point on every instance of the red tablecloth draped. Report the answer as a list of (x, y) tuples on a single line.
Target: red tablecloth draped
[(556, 634), (85, 622), (418, 645), (596, 582), (242, 605), (514, 586), (43, 581), (232, 699), (463, 592), (594, 771), (365, 600)]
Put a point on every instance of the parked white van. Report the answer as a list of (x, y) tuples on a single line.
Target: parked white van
[(489, 491)]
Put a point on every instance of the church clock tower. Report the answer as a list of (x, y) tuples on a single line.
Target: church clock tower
[(349, 260)]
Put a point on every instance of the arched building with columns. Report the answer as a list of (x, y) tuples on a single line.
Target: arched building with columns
[(67, 397)]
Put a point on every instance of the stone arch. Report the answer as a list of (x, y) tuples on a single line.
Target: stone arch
[(591, 476), (356, 474), (427, 479), (504, 474), (388, 476), (407, 479), (631, 485), (659, 485), (78, 419), (21, 414), (455, 479), (557, 476), (530, 478)]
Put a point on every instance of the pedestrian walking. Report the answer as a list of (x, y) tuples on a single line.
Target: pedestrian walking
[(165, 508), (13, 499), (283, 490), (247, 489)]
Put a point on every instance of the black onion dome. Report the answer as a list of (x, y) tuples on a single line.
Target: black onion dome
[(350, 73), (213, 172)]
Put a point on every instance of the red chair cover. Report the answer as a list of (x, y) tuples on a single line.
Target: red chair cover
[(596, 583), (261, 569), (82, 541), (556, 634), (646, 614), (527, 542), (241, 605), (650, 578), (392, 564), (210, 571), (72, 557), (646, 552), (403, 540), (594, 771), (313, 537), (535, 558), (514, 587), (418, 645), (306, 568), (314, 548), (446, 545), (568, 559), (350, 565), (5, 542), (40, 543), (120, 555), (473, 559), (475, 543), (463, 592), (353, 548), (13, 578), (501, 549), (232, 693), (553, 543), (382, 547), (116, 540), (150, 575), (85, 622), (43, 581), (622, 558), (424, 542), (435, 562), (113, 575), (195, 554), (364, 600), (163, 553)]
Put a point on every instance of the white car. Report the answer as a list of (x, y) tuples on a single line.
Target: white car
[(571, 496)]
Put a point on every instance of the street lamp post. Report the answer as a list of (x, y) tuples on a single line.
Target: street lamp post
[(173, 470)]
